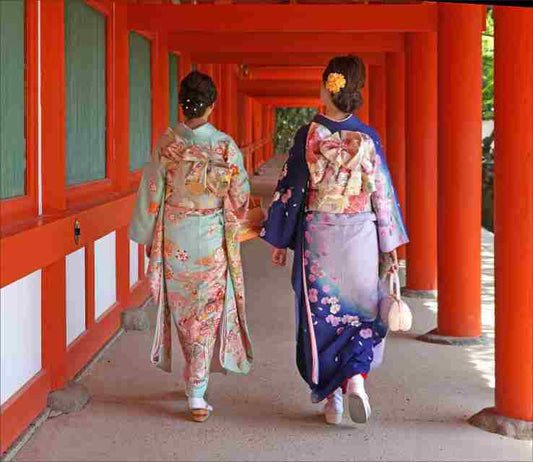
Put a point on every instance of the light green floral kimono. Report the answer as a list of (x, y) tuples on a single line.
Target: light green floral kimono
[(192, 196)]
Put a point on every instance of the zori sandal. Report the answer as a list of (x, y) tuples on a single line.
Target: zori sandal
[(200, 410)]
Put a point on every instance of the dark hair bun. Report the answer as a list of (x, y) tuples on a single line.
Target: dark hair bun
[(349, 98), (197, 93)]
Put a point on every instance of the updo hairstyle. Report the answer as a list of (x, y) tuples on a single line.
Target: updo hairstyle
[(197, 93), (349, 98)]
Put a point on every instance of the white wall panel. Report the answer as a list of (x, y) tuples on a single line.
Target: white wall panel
[(134, 263), (105, 282), (20, 329), (75, 269)]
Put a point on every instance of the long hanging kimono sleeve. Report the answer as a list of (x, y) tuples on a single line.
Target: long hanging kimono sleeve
[(284, 216), (234, 324), (149, 199), (391, 229), (238, 199)]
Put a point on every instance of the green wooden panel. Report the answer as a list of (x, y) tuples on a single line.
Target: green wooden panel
[(140, 101), (85, 59), (173, 81), (12, 107)]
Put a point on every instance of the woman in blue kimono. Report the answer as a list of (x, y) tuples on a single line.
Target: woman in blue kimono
[(336, 208)]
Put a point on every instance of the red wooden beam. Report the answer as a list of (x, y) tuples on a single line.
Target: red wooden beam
[(285, 73), (280, 88), (257, 132), (283, 42), (284, 18), (280, 59), (290, 101)]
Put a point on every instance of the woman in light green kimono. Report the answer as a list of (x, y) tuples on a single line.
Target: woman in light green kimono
[(192, 196)]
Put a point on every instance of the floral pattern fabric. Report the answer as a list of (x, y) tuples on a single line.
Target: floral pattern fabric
[(192, 196), (341, 293), (335, 206)]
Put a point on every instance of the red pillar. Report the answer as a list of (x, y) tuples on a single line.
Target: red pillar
[(377, 107), (266, 118), (247, 136), (218, 113), (513, 190), (228, 86), (210, 70), (364, 111), (513, 193), (161, 103), (272, 130), (257, 133), (421, 160), (185, 68), (121, 148), (122, 98), (459, 171), (395, 122), (53, 145), (185, 65), (225, 90)]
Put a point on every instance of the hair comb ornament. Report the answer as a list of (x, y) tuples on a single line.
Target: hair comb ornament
[(335, 83)]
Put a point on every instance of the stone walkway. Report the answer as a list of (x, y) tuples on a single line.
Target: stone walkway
[(421, 396)]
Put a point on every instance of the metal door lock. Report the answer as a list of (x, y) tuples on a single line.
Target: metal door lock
[(77, 232)]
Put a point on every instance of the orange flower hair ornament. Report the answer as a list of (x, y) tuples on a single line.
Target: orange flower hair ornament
[(335, 83)]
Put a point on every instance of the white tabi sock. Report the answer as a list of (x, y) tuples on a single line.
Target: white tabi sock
[(199, 403)]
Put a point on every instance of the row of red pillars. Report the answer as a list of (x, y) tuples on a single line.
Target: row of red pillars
[(434, 107)]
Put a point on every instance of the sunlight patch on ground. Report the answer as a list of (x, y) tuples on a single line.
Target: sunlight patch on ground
[(481, 356)]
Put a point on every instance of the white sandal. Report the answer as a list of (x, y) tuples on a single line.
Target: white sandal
[(200, 410), (358, 402)]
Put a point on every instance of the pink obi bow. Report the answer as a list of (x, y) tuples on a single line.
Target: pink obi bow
[(351, 153)]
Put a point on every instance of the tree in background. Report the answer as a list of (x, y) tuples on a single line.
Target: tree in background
[(288, 121), (487, 164), (488, 67)]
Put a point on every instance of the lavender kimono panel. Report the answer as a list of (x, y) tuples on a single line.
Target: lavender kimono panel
[(341, 288)]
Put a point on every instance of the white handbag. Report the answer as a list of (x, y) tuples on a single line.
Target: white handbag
[(393, 311)]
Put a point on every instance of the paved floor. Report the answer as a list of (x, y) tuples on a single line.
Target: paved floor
[(421, 396)]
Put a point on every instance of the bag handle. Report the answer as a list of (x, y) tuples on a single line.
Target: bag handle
[(394, 285)]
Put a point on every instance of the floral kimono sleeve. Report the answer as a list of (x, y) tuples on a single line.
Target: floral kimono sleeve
[(149, 199), (391, 228), (280, 227), (238, 199)]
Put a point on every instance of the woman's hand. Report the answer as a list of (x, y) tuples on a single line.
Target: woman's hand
[(394, 265), (388, 264), (279, 257)]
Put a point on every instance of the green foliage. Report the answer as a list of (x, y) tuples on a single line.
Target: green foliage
[(288, 121), (488, 67), (487, 165), (488, 87)]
